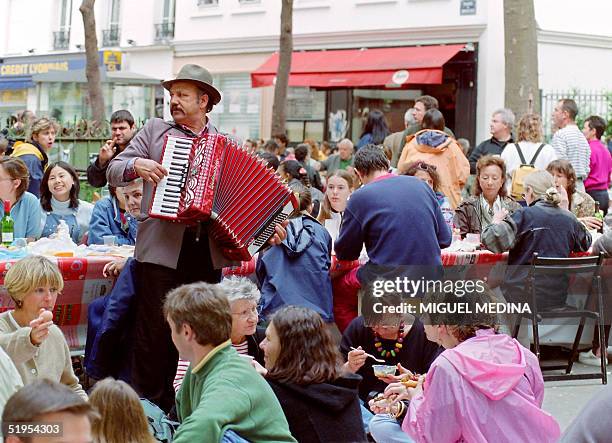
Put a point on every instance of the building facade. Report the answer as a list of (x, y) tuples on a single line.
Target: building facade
[(350, 56)]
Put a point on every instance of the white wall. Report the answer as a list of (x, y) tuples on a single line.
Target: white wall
[(231, 20), (565, 67), (491, 69)]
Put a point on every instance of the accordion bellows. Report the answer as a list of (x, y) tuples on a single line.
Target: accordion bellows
[(212, 178)]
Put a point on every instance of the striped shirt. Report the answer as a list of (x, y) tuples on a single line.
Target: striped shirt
[(183, 365), (571, 145)]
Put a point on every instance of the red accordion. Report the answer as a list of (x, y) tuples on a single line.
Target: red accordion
[(211, 177)]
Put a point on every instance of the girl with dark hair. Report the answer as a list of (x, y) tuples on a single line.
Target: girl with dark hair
[(480, 370), (280, 269), (297, 178), (59, 198), (304, 369), (375, 129), (429, 175)]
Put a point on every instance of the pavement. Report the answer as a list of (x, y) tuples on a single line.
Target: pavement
[(565, 399)]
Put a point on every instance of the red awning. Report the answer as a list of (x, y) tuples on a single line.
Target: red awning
[(383, 67)]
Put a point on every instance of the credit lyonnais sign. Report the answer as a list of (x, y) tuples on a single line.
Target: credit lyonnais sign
[(32, 68)]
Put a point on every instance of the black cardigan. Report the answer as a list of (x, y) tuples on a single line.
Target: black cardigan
[(324, 412)]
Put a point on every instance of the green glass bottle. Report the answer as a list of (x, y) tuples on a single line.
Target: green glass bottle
[(8, 225), (599, 215)]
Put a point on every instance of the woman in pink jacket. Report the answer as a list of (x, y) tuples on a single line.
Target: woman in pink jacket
[(484, 387)]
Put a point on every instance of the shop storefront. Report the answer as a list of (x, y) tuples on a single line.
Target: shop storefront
[(331, 92), (57, 86)]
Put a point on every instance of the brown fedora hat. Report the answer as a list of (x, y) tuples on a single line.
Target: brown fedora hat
[(198, 75)]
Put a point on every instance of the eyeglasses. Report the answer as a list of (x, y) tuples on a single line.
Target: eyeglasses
[(247, 313)]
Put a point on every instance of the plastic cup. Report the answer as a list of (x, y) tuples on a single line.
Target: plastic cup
[(110, 240), (473, 238)]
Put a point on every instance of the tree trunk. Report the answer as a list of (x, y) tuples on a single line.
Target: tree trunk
[(94, 83), (279, 108), (521, 51)]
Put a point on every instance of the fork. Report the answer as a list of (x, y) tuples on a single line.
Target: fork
[(371, 356)]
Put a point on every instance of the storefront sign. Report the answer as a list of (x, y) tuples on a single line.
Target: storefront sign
[(111, 60), (468, 7), (400, 77), (32, 68)]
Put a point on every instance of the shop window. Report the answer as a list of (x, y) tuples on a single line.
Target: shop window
[(239, 111), (305, 114)]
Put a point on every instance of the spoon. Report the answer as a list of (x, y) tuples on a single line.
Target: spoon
[(370, 355)]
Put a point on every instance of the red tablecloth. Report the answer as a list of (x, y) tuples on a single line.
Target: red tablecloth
[(83, 282)]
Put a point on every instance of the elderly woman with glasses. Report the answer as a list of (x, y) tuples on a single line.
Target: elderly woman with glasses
[(475, 213), (429, 174), (243, 297)]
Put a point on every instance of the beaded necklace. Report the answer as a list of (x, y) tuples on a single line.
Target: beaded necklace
[(398, 343)]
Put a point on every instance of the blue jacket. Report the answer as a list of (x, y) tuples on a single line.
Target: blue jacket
[(107, 323), (297, 271), (36, 160), (106, 220)]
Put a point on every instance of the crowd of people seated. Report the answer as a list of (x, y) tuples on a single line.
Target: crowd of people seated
[(289, 353)]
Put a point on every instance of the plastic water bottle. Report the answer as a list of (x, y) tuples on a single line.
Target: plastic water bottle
[(63, 231)]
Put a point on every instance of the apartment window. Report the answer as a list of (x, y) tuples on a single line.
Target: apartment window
[(114, 13), (61, 38), (208, 2), (111, 36), (164, 29)]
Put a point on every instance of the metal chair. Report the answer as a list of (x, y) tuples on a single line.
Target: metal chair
[(567, 267)]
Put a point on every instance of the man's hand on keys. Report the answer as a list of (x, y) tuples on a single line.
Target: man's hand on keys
[(149, 170)]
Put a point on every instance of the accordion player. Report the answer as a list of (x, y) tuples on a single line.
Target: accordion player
[(212, 178)]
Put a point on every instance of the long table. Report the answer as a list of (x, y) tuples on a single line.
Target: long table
[(83, 282)]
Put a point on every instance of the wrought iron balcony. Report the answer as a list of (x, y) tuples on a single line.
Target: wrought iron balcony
[(110, 37), (61, 39), (164, 31)]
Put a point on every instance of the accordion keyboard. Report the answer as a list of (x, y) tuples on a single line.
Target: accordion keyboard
[(176, 161)]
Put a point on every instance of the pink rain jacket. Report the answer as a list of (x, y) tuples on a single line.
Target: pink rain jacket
[(487, 389)]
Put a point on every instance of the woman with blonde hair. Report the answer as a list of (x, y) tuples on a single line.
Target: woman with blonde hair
[(35, 152), (122, 417), (530, 145), (27, 333)]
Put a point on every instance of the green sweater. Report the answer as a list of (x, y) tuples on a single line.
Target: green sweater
[(224, 392)]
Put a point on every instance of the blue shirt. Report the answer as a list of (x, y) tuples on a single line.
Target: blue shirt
[(26, 215), (106, 220), (399, 220)]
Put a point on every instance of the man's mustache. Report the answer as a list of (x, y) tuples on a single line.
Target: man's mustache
[(175, 108)]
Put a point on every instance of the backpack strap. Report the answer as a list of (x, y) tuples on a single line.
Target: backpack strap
[(536, 154), (520, 153)]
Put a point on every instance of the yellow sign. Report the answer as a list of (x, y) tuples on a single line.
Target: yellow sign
[(112, 60), (32, 68), (14, 96)]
